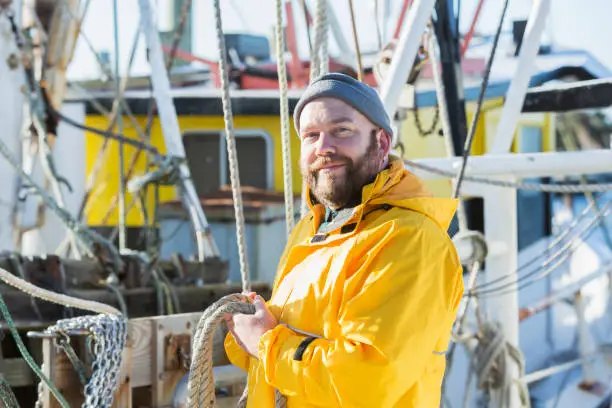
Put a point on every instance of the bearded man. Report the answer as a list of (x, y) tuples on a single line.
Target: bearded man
[(368, 286)]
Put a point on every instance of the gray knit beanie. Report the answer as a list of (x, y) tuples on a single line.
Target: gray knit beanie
[(357, 94)]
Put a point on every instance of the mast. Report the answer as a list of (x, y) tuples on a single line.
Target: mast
[(11, 110), (452, 76)]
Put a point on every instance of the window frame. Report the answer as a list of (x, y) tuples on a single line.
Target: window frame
[(238, 133)]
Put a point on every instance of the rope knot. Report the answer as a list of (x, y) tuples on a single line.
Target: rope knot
[(471, 246), (490, 363)]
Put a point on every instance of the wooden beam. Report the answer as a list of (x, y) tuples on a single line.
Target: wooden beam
[(17, 372), (572, 96)]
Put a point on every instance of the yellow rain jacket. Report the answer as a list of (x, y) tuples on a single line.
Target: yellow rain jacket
[(365, 310)]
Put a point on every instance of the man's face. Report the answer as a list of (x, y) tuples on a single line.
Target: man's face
[(341, 151)]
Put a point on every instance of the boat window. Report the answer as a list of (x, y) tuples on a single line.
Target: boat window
[(208, 160)]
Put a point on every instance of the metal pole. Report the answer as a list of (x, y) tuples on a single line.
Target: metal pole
[(121, 193), (515, 96), (521, 165), (585, 345), (405, 53), (450, 60), (334, 26), (501, 234), (172, 133), (11, 115)]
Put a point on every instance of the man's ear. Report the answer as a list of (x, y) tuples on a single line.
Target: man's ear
[(384, 141)]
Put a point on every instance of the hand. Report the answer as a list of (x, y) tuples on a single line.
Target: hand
[(248, 329)]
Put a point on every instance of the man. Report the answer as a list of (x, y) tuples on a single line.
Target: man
[(369, 284)]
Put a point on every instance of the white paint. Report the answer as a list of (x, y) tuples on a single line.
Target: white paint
[(11, 108), (401, 65), (69, 157), (171, 130), (515, 96), (523, 165)]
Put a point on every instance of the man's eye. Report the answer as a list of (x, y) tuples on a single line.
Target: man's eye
[(343, 132)]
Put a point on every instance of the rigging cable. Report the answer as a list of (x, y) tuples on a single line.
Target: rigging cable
[(483, 88)]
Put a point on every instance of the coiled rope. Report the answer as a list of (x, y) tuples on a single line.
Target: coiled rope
[(489, 365), (49, 296), (201, 386)]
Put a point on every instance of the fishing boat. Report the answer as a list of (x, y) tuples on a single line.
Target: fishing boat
[(125, 197)]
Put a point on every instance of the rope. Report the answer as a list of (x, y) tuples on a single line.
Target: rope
[(284, 116), (545, 188), (6, 394), (324, 59), (64, 344), (36, 103), (549, 265), (57, 298), (557, 240), (108, 134), (201, 386), (490, 365), (483, 88), (319, 61), (39, 293), (26, 354), (231, 150), (356, 40)]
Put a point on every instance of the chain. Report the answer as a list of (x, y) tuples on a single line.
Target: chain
[(434, 124), (109, 336), (545, 188)]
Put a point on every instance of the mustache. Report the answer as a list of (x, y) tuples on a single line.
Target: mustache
[(327, 160)]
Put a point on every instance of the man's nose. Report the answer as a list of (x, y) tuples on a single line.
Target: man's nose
[(325, 144)]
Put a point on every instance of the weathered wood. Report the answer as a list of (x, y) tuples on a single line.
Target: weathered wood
[(17, 372), (123, 395), (58, 369), (141, 302), (580, 95)]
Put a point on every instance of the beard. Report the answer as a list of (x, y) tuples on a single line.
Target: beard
[(335, 190)]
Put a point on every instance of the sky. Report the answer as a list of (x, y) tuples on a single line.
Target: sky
[(571, 24)]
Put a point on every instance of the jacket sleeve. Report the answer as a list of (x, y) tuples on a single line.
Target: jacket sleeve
[(390, 327), (236, 355)]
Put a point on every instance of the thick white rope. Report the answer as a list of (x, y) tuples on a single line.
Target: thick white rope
[(284, 116), (489, 363), (319, 59), (324, 57), (54, 297), (319, 65), (201, 385), (231, 150)]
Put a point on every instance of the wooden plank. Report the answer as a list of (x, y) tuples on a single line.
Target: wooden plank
[(17, 372), (123, 395), (141, 337), (139, 340), (577, 95), (58, 368), (165, 374), (193, 299)]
